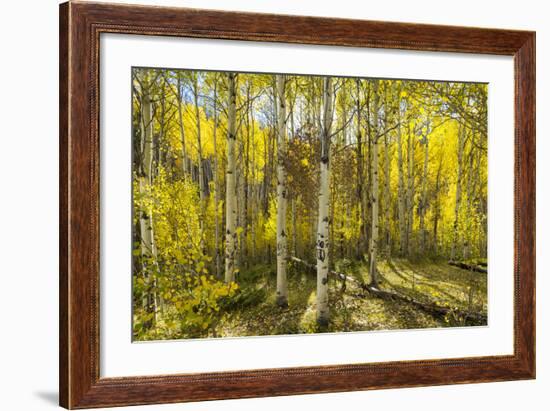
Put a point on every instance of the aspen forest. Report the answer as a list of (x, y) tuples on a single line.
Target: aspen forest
[(271, 204)]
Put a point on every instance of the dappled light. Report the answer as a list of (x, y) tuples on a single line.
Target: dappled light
[(273, 204)]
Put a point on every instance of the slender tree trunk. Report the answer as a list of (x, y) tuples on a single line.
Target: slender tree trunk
[(162, 125), (160, 162), (437, 211), (424, 200), (473, 172), (400, 182), (202, 185), (478, 198), (231, 194), (253, 189), (387, 197), (294, 228), (292, 106), (265, 173), (343, 125), (360, 177), (216, 182), (246, 182), (375, 193), (202, 182), (468, 203), (148, 249), (238, 201), (184, 159), (458, 192), (332, 200), (282, 253), (324, 198), (410, 192), (367, 199)]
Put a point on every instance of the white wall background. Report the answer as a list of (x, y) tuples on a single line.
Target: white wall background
[(29, 217)]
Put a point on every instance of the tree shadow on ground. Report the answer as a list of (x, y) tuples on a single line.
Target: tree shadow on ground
[(351, 308), (437, 283)]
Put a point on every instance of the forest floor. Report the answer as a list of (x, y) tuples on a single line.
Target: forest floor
[(254, 312)]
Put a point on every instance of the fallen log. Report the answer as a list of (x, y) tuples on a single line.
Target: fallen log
[(469, 267), (340, 276), (430, 308)]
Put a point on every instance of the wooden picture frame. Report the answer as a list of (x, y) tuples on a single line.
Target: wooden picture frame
[(80, 27)]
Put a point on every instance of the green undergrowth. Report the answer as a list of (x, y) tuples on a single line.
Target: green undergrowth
[(253, 310)]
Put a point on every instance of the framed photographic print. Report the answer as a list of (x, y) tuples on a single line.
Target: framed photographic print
[(257, 205)]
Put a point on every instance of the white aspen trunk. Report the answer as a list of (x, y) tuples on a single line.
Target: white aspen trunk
[(375, 194), (367, 190), (231, 194), (472, 183), (292, 125), (147, 135), (477, 185), (437, 211), (282, 251), (202, 185), (239, 200), (244, 187), (410, 193), (468, 232), (458, 193), (332, 220), (148, 249), (349, 220), (400, 183), (216, 181), (323, 225), (424, 200), (254, 204), (344, 115), (161, 126), (182, 131), (387, 199), (361, 243)]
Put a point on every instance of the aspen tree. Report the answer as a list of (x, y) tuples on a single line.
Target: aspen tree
[(216, 179), (184, 160), (387, 198), (148, 248), (424, 199), (282, 251), (401, 177), (323, 224), (202, 185), (410, 190), (359, 154), (231, 192), (375, 191), (458, 192)]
